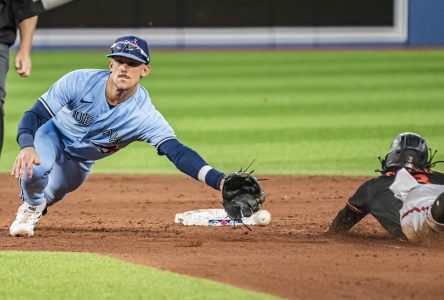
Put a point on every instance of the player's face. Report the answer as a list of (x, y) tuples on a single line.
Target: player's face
[(126, 73)]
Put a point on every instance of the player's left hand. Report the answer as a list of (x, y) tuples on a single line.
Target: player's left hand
[(242, 195), (22, 63), (24, 161)]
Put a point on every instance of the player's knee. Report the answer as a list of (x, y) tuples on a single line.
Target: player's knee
[(437, 209), (39, 173)]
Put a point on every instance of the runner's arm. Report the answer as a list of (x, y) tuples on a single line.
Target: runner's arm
[(345, 219)]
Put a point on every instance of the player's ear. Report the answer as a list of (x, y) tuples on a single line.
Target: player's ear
[(110, 64), (146, 70)]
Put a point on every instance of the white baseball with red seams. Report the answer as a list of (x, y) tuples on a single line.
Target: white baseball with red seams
[(263, 217)]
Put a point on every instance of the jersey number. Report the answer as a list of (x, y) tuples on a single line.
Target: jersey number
[(421, 178)]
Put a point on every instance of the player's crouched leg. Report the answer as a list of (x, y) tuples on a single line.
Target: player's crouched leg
[(66, 176), (32, 189), (34, 204)]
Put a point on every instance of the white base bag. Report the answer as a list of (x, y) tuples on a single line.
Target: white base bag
[(210, 217)]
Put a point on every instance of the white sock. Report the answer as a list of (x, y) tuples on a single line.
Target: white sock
[(39, 207)]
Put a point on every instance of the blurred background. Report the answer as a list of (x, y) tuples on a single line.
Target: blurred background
[(302, 86), (243, 23)]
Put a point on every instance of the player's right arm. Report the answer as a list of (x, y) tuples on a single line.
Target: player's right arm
[(353, 212), (345, 220), (58, 96), (30, 122)]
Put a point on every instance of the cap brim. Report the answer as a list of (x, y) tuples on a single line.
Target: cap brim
[(127, 55)]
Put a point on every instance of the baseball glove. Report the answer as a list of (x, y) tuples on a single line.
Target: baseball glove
[(242, 195)]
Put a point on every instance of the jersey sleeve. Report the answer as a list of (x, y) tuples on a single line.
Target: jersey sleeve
[(61, 94), (358, 202), (353, 212), (25, 9), (190, 162), (156, 129), (345, 220)]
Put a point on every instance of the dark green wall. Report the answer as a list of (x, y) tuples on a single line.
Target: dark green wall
[(216, 13)]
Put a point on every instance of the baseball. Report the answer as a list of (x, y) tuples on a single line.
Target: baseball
[(263, 217)]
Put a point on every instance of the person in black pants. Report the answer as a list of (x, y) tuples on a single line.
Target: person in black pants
[(21, 15)]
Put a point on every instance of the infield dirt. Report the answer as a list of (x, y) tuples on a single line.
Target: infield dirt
[(132, 218)]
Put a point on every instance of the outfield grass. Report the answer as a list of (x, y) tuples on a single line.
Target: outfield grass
[(302, 112), (55, 275), (320, 112)]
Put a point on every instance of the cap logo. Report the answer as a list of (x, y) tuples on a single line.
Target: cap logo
[(130, 47)]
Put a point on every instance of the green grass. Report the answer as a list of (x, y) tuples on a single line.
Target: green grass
[(300, 112), (54, 275)]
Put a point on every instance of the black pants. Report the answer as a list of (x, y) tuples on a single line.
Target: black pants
[(2, 125), (4, 65)]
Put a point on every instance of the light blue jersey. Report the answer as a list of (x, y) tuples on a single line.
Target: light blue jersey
[(90, 129), (81, 127), (72, 125)]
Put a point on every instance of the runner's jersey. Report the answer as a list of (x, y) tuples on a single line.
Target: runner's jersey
[(375, 197)]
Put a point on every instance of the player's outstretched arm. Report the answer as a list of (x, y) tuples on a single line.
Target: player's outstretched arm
[(241, 192), (345, 220), (191, 163)]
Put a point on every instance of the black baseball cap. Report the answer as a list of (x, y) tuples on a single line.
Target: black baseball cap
[(131, 47)]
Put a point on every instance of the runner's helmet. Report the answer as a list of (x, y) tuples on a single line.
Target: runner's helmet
[(408, 150)]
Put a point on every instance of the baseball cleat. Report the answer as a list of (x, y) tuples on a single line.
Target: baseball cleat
[(26, 219)]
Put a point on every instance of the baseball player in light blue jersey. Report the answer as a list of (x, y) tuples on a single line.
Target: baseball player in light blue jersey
[(88, 115)]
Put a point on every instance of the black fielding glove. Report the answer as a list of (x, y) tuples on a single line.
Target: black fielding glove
[(242, 195)]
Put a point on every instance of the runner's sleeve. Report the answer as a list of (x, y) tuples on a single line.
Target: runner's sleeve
[(359, 201), (345, 220), (353, 212)]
